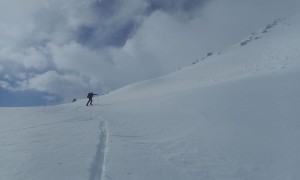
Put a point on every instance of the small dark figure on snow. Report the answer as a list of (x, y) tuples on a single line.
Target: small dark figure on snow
[(90, 97)]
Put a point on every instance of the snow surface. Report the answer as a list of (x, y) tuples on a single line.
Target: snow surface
[(231, 116)]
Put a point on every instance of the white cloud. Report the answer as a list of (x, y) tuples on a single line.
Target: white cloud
[(4, 84), (34, 58), (94, 65), (166, 41), (52, 82), (29, 58)]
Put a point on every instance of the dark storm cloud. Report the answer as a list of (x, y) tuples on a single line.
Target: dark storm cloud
[(174, 6), (107, 31), (105, 8), (98, 37), (86, 34)]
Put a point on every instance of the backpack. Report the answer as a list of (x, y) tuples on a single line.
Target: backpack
[(89, 95)]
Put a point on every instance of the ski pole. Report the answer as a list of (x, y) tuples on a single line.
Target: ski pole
[(98, 99)]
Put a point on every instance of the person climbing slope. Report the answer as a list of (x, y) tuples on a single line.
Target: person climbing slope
[(90, 97)]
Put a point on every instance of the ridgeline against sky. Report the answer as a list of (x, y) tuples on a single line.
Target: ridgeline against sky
[(54, 50)]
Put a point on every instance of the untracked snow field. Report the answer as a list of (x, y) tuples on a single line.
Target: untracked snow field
[(232, 116)]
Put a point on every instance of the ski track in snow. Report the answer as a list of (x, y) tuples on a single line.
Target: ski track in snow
[(97, 166)]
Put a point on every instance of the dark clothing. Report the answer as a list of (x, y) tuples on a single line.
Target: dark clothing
[(90, 101), (90, 97)]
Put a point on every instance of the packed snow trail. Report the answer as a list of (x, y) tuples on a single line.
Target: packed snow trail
[(97, 166)]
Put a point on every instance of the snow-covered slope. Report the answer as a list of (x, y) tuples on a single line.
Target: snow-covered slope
[(232, 115), (48, 143)]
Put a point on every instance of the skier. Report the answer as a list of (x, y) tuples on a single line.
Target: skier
[(90, 97)]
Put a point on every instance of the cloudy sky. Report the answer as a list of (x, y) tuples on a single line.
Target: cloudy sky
[(52, 51)]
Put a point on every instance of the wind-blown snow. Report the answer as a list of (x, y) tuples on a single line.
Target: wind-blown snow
[(232, 115)]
